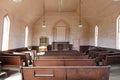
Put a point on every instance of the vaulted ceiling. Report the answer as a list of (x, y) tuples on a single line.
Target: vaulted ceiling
[(31, 10)]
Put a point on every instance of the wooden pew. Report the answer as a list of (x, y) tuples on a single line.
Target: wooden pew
[(79, 62), (76, 57), (64, 62), (66, 73), (48, 62), (31, 52), (50, 57), (11, 61), (103, 55), (62, 53), (23, 57), (110, 60), (64, 57)]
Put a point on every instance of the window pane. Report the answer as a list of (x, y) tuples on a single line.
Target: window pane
[(26, 36), (118, 33), (6, 28), (96, 36)]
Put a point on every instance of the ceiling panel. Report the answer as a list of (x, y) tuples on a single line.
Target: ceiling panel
[(51, 5), (31, 10), (70, 5), (66, 5)]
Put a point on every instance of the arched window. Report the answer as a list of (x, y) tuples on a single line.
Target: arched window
[(6, 29), (96, 35), (26, 36), (118, 33)]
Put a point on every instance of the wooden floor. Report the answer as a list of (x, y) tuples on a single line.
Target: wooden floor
[(114, 74)]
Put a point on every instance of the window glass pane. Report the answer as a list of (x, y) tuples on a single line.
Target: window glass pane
[(26, 36), (118, 33), (96, 36), (6, 29)]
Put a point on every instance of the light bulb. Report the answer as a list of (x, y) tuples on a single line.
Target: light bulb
[(43, 25), (17, 1), (80, 25)]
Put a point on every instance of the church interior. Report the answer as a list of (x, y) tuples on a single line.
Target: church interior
[(59, 40)]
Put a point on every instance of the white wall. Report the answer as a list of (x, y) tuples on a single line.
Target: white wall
[(52, 18), (107, 31), (17, 31)]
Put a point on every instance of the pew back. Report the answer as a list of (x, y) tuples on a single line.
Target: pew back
[(11, 61), (64, 57), (65, 73), (48, 62), (79, 62), (110, 60), (64, 62), (76, 57)]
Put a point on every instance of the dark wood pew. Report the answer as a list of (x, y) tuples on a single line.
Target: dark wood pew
[(23, 57), (79, 62), (110, 60), (61, 53), (64, 62), (64, 57), (50, 57), (76, 57), (31, 53), (11, 61), (66, 73), (102, 56), (48, 62)]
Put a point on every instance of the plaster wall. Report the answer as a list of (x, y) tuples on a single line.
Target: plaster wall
[(69, 17), (17, 31)]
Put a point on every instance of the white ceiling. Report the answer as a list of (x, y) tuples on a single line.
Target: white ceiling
[(31, 10)]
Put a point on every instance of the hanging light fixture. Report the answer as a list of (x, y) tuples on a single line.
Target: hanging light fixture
[(17, 1), (80, 24), (44, 25), (116, 0), (60, 5)]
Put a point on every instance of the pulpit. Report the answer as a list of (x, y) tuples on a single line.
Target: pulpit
[(61, 46)]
